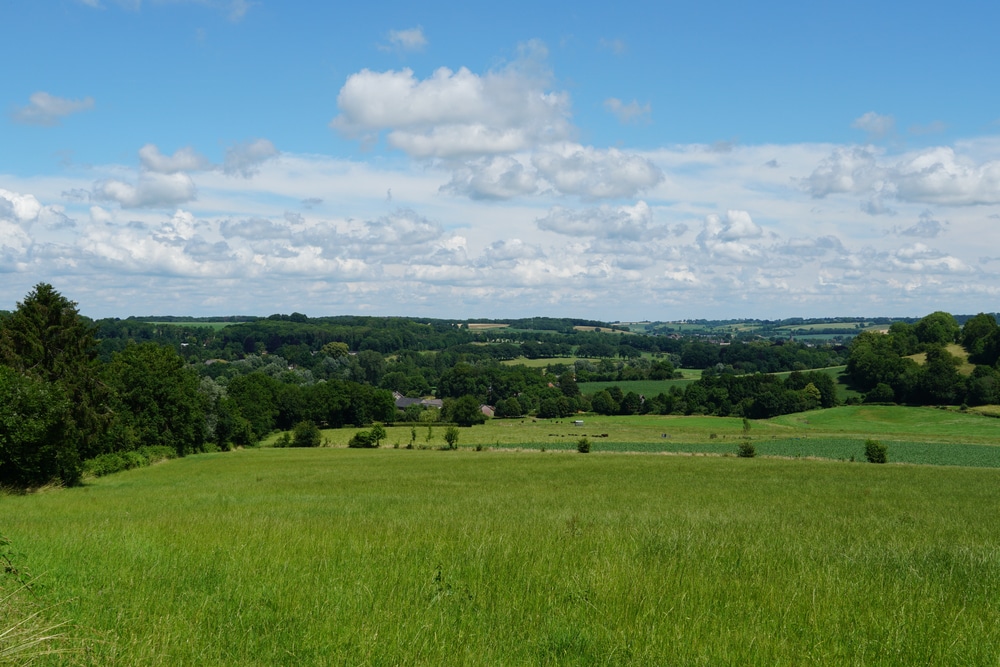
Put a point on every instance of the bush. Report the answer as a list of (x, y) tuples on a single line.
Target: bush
[(746, 450), (362, 440), (876, 452), (583, 446), (306, 434), (451, 437)]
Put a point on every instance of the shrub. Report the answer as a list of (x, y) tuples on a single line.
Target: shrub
[(746, 450), (306, 434), (583, 446), (362, 440), (876, 452), (451, 437)]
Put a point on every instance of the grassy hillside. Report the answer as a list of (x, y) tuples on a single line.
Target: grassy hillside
[(336, 556)]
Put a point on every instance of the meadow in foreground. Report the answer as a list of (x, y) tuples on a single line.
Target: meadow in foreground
[(336, 556)]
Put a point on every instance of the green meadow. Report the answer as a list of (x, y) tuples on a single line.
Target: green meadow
[(426, 557), (914, 435)]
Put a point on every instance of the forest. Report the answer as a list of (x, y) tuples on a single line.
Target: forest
[(81, 396)]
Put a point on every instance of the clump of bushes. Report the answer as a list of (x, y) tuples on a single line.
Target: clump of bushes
[(583, 446), (370, 439), (746, 450), (112, 462), (876, 452)]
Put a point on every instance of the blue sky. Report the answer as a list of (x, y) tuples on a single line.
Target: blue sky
[(647, 161)]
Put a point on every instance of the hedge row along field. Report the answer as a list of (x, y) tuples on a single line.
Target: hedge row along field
[(339, 556)]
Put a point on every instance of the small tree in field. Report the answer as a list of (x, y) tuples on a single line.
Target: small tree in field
[(583, 446), (876, 452), (306, 434), (378, 433), (451, 437), (745, 449)]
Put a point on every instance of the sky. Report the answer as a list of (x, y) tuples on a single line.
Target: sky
[(642, 161)]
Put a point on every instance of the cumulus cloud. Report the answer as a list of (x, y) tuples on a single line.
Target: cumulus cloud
[(595, 173), (927, 227), (812, 247), (411, 39), (506, 251), (151, 189), (245, 159), (253, 228), (933, 176), (923, 259), (455, 113), (184, 159), (18, 207), (403, 227), (498, 177), (47, 110), (847, 170), (621, 222), (731, 236), (633, 112), (876, 125), (939, 176)]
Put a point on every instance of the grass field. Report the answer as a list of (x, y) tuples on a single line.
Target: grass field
[(914, 435), (336, 556), (965, 367), (208, 325), (647, 388)]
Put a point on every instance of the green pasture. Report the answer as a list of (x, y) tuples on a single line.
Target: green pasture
[(542, 362), (844, 391), (647, 388), (385, 557), (215, 326), (914, 435)]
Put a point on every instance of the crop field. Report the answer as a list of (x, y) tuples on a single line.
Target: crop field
[(375, 557)]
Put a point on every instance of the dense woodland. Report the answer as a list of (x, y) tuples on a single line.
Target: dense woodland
[(78, 395)]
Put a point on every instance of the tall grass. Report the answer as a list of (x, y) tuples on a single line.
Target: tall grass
[(336, 556)]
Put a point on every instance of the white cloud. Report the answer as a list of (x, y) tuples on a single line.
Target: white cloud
[(939, 176), (730, 237), (934, 176), (497, 177), (633, 112), (851, 170), (593, 173), (47, 110), (927, 227), (411, 39), (622, 222), (151, 189), (454, 113), (876, 125), (184, 159), (18, 207), (246, 158)]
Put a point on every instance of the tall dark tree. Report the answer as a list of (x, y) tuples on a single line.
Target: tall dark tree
[(46, 338)]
